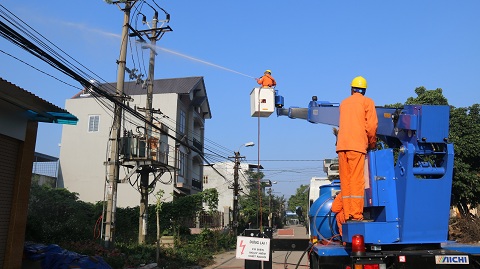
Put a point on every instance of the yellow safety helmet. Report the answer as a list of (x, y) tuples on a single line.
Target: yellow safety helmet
[(268, 71), (359, 82)]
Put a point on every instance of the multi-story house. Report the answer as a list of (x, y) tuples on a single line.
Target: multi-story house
[(180, 107)]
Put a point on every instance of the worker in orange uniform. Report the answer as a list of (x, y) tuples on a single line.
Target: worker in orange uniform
[(357, 133), (267, 80), (337, 207)]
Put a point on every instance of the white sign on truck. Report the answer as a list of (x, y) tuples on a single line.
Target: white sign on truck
[(253, 248)]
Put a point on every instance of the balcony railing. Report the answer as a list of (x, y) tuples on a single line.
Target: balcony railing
[(196, 184), (198, 144)]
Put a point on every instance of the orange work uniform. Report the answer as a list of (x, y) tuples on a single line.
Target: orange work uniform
[(357, 132), (337, 207), (267, 81)]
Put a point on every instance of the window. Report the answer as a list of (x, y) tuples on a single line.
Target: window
[(93, 121), (182, 164), (183, 120)]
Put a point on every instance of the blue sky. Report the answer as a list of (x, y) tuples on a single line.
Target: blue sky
[(312, 48)]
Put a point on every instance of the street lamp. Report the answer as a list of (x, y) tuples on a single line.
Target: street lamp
[(248, 144), (236, 187)]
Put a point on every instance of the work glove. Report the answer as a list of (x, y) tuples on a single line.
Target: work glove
[(335, 131)]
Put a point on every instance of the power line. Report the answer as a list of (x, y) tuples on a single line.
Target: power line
[(41, 71), (321, 160), (63, 65)]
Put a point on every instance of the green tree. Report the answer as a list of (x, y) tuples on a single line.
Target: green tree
[(427, 97), (300, 198), (465, 135), (251, 203), (249, 207), (184, 209), (271, 205), (56, 216)]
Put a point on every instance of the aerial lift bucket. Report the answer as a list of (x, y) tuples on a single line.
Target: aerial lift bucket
[(262, 102)]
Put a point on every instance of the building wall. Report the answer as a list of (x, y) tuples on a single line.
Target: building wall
[(82, 154), (9, 148), (16, 159), (212, 180), (11, 126)]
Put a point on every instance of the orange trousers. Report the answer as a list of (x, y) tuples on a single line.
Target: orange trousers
[(352, 183), (337, 207)]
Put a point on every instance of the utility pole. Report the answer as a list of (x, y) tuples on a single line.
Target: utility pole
[(144, 174), (113, 164), (235, 193), (155, 34), (236, 186), (270, 214)]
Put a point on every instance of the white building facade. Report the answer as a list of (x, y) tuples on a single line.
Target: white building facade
[(219, 176), (180, 107)]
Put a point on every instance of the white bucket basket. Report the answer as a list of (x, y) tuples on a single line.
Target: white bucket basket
[(262, 102)]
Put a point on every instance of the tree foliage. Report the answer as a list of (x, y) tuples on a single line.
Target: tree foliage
[(173, 215), (300, 198), (56, 215), (427, 97), (271, 206), (251, 204), (465, 135)]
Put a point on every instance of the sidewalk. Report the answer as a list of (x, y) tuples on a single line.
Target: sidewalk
[(280, 259)]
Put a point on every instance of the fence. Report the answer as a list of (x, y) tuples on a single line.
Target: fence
[(205, 220), (44, 170)]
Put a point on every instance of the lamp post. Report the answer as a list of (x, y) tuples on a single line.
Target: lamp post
[(236, 187), (270, 214)]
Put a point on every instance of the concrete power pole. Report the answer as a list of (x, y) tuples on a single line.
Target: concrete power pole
[(113, 164), (155, 34), (235, 193), (144, 175)]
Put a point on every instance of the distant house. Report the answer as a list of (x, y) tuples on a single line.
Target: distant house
[(20, 112), (45, 170), (220, 176), (180, 108)]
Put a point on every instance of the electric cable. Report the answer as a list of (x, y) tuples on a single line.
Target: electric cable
[(97, 223), (286, 259), (41, 71), (303, 254), (67, 68)]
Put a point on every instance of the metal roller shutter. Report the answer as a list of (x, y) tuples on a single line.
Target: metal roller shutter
[(9, 148)]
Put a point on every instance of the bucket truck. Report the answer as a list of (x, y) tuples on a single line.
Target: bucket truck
[(407, 194)]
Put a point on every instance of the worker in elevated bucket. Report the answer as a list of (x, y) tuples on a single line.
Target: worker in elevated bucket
[(356, 134), (267, 80)]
